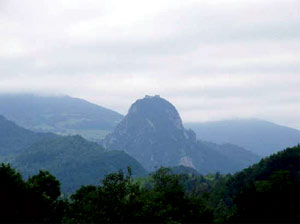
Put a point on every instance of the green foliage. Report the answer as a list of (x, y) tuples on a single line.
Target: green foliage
[(33, 201), (119, 199), (170, 203), (272, 200), (45, 183), (84, 205), (74, 161), (12, 195), (267, 192)]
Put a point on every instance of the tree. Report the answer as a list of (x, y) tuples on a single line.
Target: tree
[(33, 201), (44, 190), (12, 195), (46, 184), (116, 200), (275, 199), (167, 201)]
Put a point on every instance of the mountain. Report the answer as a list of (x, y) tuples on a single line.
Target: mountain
[(259, 136), (61, 115), (152, 132), (72, 159), (14, 139)]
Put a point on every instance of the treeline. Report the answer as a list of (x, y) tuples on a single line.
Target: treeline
[(35, 200), (265, 192)]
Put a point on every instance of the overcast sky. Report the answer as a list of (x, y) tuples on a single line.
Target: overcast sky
[(213, 59)]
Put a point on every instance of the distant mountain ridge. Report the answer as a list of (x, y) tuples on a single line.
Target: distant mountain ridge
[(72, 159), (152, 132), (59, 114), (259, 136), (65, 115), (15, 139)]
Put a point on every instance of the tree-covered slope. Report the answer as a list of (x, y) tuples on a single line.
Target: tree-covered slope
[(267, 191), (14, 139), (61, 115), (259, 136), (74, 161)]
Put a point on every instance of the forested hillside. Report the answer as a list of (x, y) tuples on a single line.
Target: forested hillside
[(14, 139), (72, 159), (267, 192)]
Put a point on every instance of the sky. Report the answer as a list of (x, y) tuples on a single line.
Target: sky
[(212, 59)]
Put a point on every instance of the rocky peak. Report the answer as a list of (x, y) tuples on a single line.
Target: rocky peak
[(156, 113), (151, 128), (153, 134)]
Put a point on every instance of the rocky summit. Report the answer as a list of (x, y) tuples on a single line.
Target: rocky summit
[(152, 132)]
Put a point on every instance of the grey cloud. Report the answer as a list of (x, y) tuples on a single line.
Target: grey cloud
[(176, 53), (245, 69)]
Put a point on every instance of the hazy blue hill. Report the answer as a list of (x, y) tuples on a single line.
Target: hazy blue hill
[(14, 139), (224, 158), (61, 115), (234, 153), (258, 136), (74, 161), (211, 158), (152, 132)]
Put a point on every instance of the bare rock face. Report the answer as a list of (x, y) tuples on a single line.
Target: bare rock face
[(152, 132)]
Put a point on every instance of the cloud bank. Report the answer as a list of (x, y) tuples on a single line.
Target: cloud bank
[(213, 59)]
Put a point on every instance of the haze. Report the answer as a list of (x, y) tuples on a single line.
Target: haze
[(212, 59)]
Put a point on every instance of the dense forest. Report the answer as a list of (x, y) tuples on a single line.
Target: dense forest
[(265, 192), (71, 159)]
